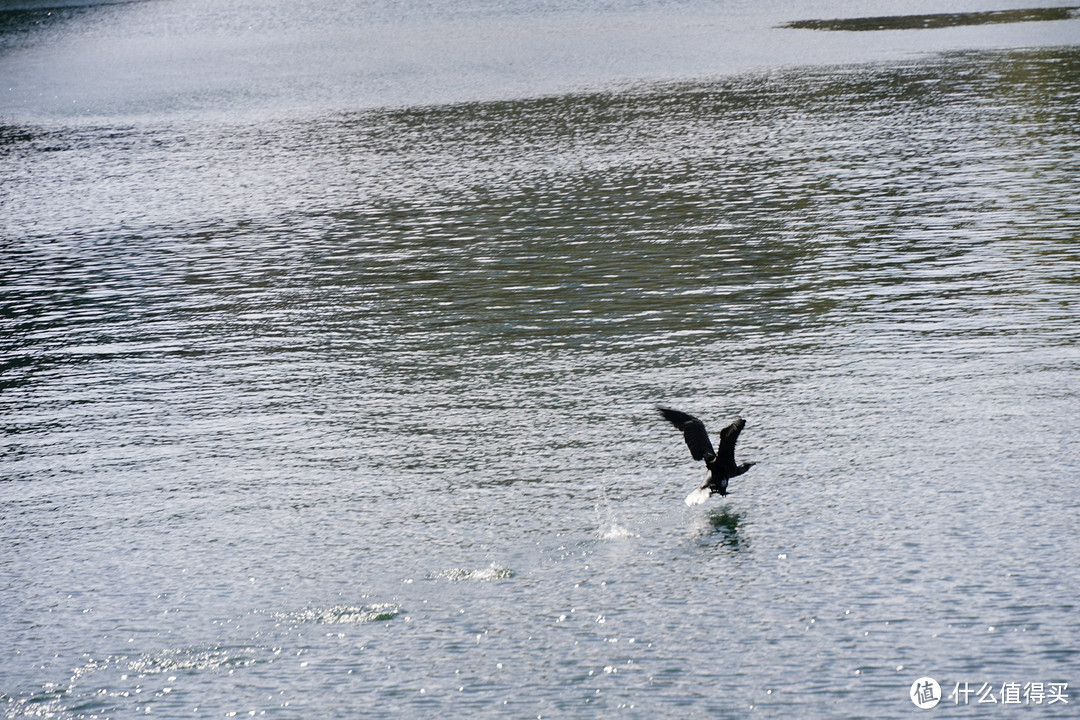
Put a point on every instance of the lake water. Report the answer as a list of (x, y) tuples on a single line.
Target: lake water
[(328, 363)]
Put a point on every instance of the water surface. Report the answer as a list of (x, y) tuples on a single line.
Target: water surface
[(351, 411)]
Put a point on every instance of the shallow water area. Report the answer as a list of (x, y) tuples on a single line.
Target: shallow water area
[(348, 405)]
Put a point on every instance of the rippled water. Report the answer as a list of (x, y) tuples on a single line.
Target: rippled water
[(351, 413)]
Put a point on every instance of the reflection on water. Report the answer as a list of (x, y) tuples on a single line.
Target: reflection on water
[(361, 405), (725, 523), (16, 23)]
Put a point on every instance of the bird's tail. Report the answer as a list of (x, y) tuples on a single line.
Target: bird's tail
[(698, 496)]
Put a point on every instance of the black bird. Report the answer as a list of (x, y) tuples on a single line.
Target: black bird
[(721, 464)]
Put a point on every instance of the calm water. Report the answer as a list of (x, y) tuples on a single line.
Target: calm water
[(315, 409)]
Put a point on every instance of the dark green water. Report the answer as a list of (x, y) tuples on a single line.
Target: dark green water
[(352, 414)]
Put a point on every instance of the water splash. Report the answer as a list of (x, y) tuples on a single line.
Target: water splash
[(181, 659), (698, 496), (491, 572), (610, 529), (343, 614), (614, 531)]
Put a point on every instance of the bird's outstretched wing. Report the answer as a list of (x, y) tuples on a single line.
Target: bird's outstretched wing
[(693, 430), (728, 437)]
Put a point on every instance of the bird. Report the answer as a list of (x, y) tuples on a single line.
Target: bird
[(721, 464)]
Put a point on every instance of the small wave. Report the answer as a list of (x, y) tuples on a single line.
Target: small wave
[(343, 614), (492, 572), (51, 702)]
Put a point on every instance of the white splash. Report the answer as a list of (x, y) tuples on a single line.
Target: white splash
[(698, 496), (491, 572), (614, 531), (343, 614)]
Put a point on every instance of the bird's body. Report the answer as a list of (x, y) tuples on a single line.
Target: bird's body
[(721, 464)]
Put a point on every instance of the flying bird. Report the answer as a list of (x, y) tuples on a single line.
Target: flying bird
[(721, 464)]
